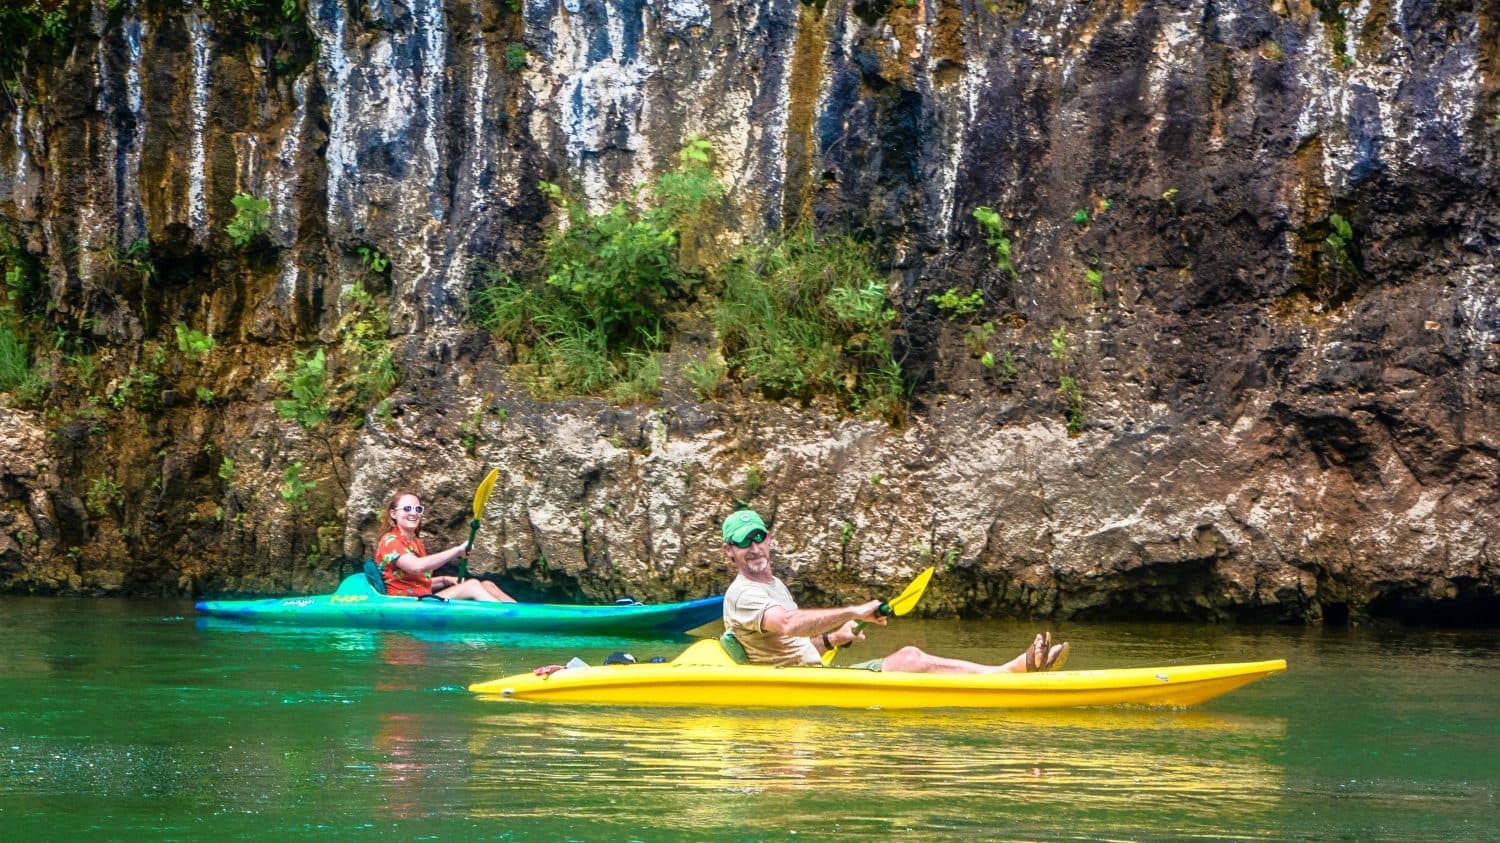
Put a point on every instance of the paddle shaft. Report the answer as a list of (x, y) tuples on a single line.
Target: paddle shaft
[(481, 497), (884, 611), (463, 563), (899, 605)]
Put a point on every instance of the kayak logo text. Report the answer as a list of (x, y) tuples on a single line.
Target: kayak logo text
[(348, 598)]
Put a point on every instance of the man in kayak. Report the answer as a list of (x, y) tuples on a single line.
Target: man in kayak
[(760, 612), (407, 568)]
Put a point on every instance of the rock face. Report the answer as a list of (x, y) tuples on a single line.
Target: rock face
[(1243, 364)]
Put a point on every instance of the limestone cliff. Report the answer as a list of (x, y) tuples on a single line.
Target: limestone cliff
[(1243, 364)]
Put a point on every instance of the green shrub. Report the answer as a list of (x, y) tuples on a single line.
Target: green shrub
[(15, 360), (18, 270), (141, 386), (1340, 239), (590, 316), (978, 337), (809, 316), (84, 368), (1095, 278), (366, 347), (1072, 395), (954, 305), (1059, 351), (135, 259), (374, 260), (994, 234), (192, 343), (515, 56), (103, 495), (294, 488), (307, 383), (705, 376), (252, 217)]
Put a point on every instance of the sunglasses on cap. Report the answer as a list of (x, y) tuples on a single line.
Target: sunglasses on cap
[(752, 537)]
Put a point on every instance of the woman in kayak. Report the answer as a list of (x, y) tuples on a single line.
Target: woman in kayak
[(406, 567), (773, 630)]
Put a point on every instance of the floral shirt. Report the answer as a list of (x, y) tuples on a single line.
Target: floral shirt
[(393, 546)]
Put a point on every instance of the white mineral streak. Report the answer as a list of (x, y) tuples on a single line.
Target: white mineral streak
[(286, 209), (488, 181), (132, 212), (761, 164), (957, 113), (1459, 95), (20, 190), (97, 230), (337, 68), (598, 103), (971, 89), (1177, 56), (433, 35), (478, 147), (1059, 42), (681, 14), (199, 31)]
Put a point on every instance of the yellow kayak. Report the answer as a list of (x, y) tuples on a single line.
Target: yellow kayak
[(705, 675)]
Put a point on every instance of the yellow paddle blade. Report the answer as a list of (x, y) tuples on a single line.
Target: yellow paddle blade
[(900, 605), (482, 494), (908, 598)]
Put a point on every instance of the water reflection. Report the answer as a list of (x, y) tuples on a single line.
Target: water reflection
[(356, 639), (719, 769)]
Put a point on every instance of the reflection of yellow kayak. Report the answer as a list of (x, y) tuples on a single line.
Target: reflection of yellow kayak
[(704, 675)]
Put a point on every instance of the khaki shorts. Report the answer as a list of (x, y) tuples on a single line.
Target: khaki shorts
[(872, 665)]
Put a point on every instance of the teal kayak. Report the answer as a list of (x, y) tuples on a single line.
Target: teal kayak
[(356, 603)]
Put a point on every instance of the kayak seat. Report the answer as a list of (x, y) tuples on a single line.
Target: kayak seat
[(734, 648), (372, 574)]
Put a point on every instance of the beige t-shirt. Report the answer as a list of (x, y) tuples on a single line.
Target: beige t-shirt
[(745, 605)]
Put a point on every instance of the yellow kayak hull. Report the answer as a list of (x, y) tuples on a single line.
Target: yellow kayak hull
[(704, 676)]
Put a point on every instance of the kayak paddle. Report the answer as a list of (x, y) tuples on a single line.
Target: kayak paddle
[(899, 605), (481, 497)]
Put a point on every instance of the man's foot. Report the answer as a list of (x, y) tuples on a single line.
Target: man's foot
[(1057, 656), (1044, 655)]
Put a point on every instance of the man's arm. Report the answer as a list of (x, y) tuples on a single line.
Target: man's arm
[(806, 623)]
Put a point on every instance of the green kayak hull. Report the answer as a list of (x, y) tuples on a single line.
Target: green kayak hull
[(357, 604)]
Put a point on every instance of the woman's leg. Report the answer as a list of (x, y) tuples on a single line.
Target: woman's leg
[(482, 590)]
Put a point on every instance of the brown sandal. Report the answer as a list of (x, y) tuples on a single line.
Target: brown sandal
[(1037, 653)]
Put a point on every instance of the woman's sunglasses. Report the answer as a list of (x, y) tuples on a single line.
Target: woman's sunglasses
[(753, 537), (409, 508)]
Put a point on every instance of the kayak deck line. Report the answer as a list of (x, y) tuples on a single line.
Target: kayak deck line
[(697, 678), (357, 604)]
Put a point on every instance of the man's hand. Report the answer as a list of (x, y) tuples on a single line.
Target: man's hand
[(869, 612), (846, 634)]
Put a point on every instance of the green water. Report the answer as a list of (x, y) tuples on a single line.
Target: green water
[(134, 720)]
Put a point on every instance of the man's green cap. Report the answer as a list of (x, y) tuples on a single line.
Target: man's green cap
[(739, 524)]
